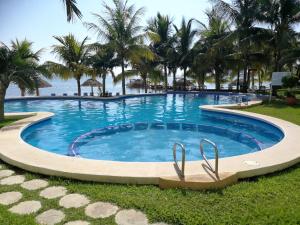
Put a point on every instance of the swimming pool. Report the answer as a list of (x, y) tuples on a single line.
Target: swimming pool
[(142, 129)]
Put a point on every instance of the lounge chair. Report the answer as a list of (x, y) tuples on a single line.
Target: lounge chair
[(65, 94), (53, 94), (85, 94)]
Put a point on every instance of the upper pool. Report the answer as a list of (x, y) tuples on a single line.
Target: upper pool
[(142, 128)]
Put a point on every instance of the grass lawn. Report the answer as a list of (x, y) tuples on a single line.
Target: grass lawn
[(271, 199), (9, 120)]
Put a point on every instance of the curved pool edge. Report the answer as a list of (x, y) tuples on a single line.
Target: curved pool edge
[(17, 152)]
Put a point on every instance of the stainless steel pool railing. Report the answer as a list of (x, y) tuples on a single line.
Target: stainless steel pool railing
[(211, 168), (182, 168)]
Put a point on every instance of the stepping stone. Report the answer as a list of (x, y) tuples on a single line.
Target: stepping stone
[(77, 222), (53, 192), (6, 173), (25, 208), (33, 185), (73, 201), (101, 210), (131, 217), (9, 198), (50, 217), (18, 179)]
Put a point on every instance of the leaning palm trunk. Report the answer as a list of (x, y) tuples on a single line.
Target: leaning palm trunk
[(145, 85)]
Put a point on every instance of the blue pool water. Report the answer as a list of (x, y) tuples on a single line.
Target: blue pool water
[(142, 128)]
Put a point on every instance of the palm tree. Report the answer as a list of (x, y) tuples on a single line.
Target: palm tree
[(282, 16), (185, 36), (18, 65), (210, 52), (160, 33), (243, 14), (103, 62), (74, 55), (120, 27), (72, 9)]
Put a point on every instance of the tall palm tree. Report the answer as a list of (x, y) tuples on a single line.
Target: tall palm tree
[(160, 33), (71, 9), (18, 65), (103, 61), (282, 16), (210, 52), (120, 27), (243, 14), (74, 55), (185, 36)]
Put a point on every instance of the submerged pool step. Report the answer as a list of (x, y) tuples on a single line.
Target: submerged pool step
[(199, 182)]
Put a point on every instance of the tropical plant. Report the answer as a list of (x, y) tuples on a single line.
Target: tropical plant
[(243, 14), (160, 33), (18, 65), (120, 28), (185, 36), (74, 55), (212, 49), (282, 16), (71, 9), (103, 62)]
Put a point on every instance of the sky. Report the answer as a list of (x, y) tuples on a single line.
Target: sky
[(39, 20)]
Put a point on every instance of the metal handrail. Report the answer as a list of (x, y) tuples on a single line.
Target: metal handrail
[(182, 157), (216, 169)]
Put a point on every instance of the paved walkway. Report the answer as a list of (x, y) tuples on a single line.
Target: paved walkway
[(92, 209)]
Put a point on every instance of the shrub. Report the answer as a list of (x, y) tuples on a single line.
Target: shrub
[(290, 81)]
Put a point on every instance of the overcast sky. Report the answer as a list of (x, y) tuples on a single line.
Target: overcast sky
[(39, 20)]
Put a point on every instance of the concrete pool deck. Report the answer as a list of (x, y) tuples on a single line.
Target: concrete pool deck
[(17, 152)]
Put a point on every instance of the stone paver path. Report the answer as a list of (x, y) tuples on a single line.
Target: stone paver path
[(27, 207), (50, 217), (6, 173), (9, 198), (131, 217), (96, 210), (77, 222), (12, 180), (53, 192), (101, 210), (73, 201), (35, 184)]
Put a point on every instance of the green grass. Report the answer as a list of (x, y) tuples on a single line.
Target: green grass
[(10, 119), (270, 199)]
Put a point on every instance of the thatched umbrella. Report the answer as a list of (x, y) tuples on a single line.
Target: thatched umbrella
[(40, 83), (91, 83)]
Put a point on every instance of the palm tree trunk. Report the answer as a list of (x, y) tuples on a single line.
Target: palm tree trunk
[(145, 85), (166, 77), (2, 97), (37, 91), (238, 81), (174, 79), (218, 81), (245, 79), (22, 91), (184, 79), (103, 84), (78, 86), (123, 78)]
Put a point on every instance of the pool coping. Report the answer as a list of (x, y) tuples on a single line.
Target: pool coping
[(17, 152)]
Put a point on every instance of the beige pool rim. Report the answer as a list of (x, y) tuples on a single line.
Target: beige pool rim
[(17, 152)]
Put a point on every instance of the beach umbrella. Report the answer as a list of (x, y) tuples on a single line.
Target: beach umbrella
[(40, 83), (91, 83)]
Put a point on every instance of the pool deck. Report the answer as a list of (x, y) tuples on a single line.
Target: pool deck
[(17, 152)]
